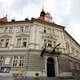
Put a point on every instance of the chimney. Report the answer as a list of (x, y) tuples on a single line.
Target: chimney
[(12, 20), (26, 19)]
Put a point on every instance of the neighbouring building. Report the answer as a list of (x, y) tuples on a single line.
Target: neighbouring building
[(37, 48)]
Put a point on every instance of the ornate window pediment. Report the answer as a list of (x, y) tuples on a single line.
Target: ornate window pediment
[(5, 36), (23, 35)]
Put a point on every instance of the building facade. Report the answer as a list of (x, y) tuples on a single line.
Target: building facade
[(22, 42)]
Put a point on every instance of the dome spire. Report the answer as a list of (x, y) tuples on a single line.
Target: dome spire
[(42, 14)]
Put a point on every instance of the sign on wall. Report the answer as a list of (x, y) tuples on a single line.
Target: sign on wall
[(4, 69)]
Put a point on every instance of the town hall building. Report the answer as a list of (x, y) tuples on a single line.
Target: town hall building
[(37, 48)]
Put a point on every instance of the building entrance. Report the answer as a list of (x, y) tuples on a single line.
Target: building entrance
[(50, 67)]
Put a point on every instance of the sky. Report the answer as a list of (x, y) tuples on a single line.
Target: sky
[(64, 12)]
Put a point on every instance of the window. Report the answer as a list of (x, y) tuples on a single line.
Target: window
[(22, 29), (27, 29), (15, 57), (49, 30), (7, 60), (10, 28), (22, 42), (1, 60), (15, 62), (4, 43), (21, 63), (18, 61), (21, 57), (44, 29), (17, 29), (18, 42), (6, 29), (1, 29)]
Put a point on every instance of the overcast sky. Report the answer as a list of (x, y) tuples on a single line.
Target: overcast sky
[(64, 12)]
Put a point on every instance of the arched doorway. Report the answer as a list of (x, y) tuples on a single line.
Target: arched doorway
[(50, 67)]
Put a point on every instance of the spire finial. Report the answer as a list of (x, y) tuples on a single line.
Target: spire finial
[(6, 15)]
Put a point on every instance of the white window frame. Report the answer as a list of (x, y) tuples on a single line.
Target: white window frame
[(3, 45), (18, 60), (1, 60), (21, 43)]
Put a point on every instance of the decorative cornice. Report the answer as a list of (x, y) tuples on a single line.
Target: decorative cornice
[(5, 36), (23, 35)]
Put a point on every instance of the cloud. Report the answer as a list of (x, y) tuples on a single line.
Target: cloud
[(74, 31), (15, 8), (67, 13), (19, 5), (64, 12), (22, 8)]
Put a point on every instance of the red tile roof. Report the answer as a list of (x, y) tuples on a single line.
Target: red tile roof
[(3, 20)]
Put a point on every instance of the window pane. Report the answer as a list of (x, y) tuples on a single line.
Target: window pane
[(2, 43), (21, 29), (15, 57), (6, 29), (27, 28), (21, 62), (10, 28), (1, 60), (7, 60), (44, 29), (15, 62), (24, 44), (1, 29), (18, 42), (17, 29), (21, 57), (49, 30), (6, 43)]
